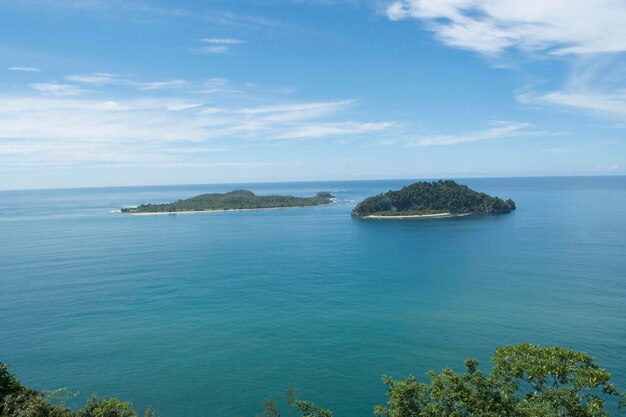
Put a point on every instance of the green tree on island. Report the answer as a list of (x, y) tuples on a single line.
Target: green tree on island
[(434, 197), (233, 200)]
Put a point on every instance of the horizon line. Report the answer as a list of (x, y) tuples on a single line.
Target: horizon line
[(314, 181)]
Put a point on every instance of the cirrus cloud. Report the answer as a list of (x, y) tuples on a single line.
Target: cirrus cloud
[(558, 27), (58, 89), (500, 130), (217, 45), (24, 69), (61, 130)]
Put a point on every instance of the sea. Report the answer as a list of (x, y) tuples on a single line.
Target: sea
[(209, 314)]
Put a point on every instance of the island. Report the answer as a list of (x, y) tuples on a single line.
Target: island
[(430, 200), (233, 200)]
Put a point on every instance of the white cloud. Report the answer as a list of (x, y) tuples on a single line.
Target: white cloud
[(500, 130), (84, 120), (29, 154), (612, 104), (218, 45), (333, 129), (223, 41), (212, 49), (215, 85), (98, 78), (591, 33), (58, 89), (160, 85), (24, 69), (562, 150), (102, 78), (53, 131), (558, 27), (208, 86), (314, 108)]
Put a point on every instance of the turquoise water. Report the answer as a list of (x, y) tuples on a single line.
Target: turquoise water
[(208, 314)]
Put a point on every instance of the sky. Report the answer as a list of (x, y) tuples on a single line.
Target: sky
[(147, 92)]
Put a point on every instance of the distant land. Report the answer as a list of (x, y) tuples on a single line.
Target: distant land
[(233, 200), (431, 199)]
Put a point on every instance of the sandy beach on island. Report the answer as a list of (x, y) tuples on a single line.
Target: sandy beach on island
[(415, 216), (333, 201)]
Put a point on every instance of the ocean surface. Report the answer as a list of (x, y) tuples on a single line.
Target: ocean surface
[(209, 314)]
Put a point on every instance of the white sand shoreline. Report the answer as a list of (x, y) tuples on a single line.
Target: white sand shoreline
[(415, 216), (333, 201)]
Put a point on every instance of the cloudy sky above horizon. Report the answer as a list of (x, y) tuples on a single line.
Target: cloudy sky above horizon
[(111, 92)]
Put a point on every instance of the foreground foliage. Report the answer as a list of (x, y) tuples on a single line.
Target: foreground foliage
[(234, 200), (432, 198), (526, 381), (16, 400)]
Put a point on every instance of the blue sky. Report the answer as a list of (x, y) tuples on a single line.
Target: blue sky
[(110, 92)]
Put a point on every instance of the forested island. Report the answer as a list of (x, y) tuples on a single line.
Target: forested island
[(233, 200), (431, 199)]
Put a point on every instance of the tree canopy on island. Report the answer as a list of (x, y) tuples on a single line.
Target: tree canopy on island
[(432, 198), (526, 381), (233, 200)]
